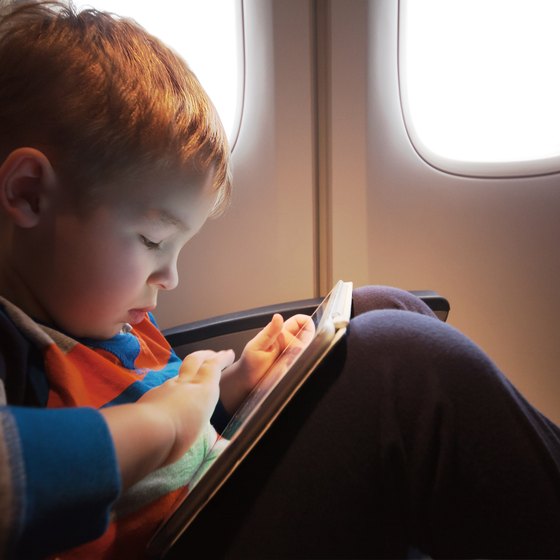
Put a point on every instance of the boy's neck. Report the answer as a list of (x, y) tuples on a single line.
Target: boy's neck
[(14, 289)]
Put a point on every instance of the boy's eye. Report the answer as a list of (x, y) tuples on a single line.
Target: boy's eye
[(150, 244)]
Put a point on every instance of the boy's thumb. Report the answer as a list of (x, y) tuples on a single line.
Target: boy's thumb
[(267, 336)]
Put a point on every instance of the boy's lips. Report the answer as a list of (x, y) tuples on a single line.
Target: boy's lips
[(135, 316)]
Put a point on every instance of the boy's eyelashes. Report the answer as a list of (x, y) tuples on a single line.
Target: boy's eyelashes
[(149, 243)]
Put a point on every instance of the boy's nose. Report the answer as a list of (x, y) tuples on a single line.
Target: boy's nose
[(165, 277)]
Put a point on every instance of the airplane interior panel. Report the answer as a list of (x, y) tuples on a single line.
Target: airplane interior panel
[(262, 249), (489, 244), (328, 185)]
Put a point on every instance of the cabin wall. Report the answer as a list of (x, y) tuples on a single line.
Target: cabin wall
[(488, 245), (262, 250)]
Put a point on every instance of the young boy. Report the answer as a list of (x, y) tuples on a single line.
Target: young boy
[(111, 159)]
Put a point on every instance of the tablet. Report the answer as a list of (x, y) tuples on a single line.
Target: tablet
[(318, 335)]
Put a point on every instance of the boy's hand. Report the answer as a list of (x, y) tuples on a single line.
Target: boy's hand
[(190, 398), (160, 427), (259, 354)]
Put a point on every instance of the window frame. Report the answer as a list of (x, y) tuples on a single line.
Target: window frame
[(469, 168)]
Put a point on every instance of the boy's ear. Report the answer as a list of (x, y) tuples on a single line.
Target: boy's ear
[(26, 181)]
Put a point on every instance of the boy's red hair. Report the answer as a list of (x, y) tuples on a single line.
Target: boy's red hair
[(103, 99)]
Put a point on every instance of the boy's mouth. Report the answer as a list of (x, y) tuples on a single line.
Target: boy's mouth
[(136, 316)]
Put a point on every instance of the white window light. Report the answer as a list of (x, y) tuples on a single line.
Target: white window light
[(208, 34), (480, 87)]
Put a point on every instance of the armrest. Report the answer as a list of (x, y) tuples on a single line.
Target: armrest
[(438, 304), (258, 317), (229, 323)]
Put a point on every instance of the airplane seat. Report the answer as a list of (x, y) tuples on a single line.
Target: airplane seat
[(233, 330)]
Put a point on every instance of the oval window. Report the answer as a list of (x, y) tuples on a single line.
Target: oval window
[(480, 89)]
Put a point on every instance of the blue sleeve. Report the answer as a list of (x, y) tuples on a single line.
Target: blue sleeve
[(65, 474)]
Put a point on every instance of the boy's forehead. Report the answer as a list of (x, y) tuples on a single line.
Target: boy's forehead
[(171, 202), (168, 200), (167, 217), (165, 191)]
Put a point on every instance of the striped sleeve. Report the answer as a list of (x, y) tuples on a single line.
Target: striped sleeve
[(11, 483), (58, 479)]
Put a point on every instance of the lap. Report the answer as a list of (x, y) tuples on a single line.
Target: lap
[(407, 434)]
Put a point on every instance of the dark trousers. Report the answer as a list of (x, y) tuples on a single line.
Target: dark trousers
[(408, 438)]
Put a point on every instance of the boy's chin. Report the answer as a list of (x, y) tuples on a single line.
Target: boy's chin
[(104, 333)]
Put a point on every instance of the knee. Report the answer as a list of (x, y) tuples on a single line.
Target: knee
[(368, 298), (386, 329), (416, 345)]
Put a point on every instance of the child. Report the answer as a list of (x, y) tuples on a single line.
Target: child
[(112, 158)]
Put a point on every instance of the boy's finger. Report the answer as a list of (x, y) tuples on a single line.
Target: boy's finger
[(267, 336), (298, 329), (210, 371), (193, 362), (300, 322), (214, 366), (304, 328), (225, 358)]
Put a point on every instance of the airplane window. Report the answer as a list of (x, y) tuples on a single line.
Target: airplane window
[(207, 34), (480, 89)]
